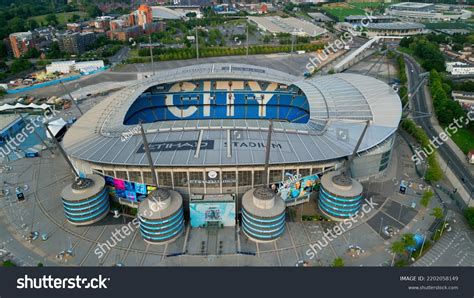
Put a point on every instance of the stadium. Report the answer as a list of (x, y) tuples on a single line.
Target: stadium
[(207, 128)]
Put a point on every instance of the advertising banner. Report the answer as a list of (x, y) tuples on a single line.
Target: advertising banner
[(296, 187), (204, 213), (127, 190)]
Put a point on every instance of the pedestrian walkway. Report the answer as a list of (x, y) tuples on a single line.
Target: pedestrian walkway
[(455, 248)]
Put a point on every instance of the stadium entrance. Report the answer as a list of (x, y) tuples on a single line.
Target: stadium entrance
[(212, 210)]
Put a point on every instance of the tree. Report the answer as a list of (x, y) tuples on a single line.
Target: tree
[(54, 52), (469, 214), (32, 53), (32, 24), (398, 248), (408, 240), (406, 41), (338, 262), (437, 213), (93, 11), (3, 51), (51, 19), (75, 18), (426, 198), (9, 263), (16, 24), (19, 65)]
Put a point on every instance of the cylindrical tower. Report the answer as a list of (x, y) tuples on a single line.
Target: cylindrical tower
[(263, 215), (86, 200), (340, 196), (161, 216)]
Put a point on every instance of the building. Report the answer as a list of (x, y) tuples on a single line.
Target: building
[(459, 68), (358, 19), (65, 67), (291, 25), (428, 11), (21, 42), (320, 17), (88, 66), (143, 15), (75, 42), (470, 157), (154, 27), (117, 24), (465, 99), (174, 13), (207, 127), (394, 29), (75, 27), (85, 201), (10, 125), (125, 34), (102, 23)]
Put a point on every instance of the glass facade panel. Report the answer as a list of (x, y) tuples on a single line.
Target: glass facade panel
[(305, 172), (180, 179), (229, 179), (257, 178), (135, 176), (275, 176), (164, 179), (121, 175), (245, 178), (195, 179)]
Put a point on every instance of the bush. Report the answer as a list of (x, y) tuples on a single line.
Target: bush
[(434, 171), (426, 198), (401, 263), (469, 214), (9, 263), (338, 262)]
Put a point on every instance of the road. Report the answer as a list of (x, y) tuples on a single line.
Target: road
[(121, 55), (420, 106)]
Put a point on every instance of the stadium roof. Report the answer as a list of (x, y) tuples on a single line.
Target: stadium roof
[(368, 18), (340, 105), (165, 13), (395, 26)]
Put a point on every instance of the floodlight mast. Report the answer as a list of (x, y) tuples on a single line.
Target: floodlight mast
[(63, 153), (347, 166), (148, 155), (267, 153)]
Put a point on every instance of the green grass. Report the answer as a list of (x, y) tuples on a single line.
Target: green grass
[(362, 5), (63, 17), (341, 13), (464, 138)]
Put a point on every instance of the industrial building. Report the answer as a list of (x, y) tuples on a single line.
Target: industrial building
[(290, 25)]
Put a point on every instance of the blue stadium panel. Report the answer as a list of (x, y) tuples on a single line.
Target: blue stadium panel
[(161, 105), (339, 207), (263, 229), (88, 210), (163, 229)]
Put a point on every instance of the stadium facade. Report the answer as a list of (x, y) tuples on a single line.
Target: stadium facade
[(207, 127)]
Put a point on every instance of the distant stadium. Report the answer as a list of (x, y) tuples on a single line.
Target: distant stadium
[(207, 127)]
